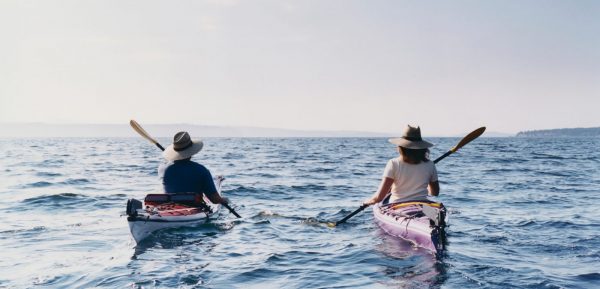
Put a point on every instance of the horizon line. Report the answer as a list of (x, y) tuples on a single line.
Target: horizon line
[(303, 132)]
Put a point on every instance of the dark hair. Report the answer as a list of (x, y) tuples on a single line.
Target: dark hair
[(414, 155)]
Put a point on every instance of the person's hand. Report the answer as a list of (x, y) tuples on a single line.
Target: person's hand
[(369, 201)]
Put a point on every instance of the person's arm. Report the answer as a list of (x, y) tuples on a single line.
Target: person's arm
[(434, 184), (209, 188), (217, 199), (434, 188), (161, 174), (384, 189)]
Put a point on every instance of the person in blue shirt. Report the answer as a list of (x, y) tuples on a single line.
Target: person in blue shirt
[(182, 175)]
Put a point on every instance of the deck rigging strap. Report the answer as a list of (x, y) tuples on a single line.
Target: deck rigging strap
[(429, 204)]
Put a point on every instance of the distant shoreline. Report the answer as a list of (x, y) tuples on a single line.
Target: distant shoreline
[(562, 132)]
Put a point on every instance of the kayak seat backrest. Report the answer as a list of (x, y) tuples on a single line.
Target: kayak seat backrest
[(157, 198), (190, 199), (183, 198)]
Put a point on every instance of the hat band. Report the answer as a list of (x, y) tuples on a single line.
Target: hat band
[(189, 144), (412, 138)]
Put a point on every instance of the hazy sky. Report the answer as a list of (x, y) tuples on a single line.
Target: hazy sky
[(449, 66)]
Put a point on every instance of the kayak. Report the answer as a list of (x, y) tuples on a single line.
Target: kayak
[(422, 222), (163, 211)]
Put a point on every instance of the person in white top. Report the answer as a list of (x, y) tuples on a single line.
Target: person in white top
[(411, 176)]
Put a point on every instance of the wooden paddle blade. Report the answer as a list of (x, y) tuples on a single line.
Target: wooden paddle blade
[(138, 128), (220, 180), (467, 139)]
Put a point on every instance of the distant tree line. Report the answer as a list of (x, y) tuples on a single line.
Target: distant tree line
[(562, 132)]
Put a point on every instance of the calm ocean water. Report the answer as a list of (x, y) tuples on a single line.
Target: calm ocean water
[(524, 213)]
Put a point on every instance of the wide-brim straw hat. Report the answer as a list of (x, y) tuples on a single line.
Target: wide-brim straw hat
[(411, 139), (183, 147)]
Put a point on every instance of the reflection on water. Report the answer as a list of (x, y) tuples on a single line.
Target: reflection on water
[(199, 237), (409, 266)]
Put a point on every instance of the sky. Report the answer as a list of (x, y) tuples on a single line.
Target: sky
[(448, 66)]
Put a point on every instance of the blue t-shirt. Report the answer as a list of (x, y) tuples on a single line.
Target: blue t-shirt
[(186, 176)]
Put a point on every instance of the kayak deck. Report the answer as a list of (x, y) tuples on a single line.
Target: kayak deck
[(169, 215), (163, 211)]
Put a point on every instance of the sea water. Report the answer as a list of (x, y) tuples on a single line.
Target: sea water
[(523, 213)]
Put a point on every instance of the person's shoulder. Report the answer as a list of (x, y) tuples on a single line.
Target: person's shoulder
[(195, 164), (395, 162), (428, 164), (165, 165), (198, 166)]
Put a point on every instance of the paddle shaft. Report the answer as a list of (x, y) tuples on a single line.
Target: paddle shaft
[(231, 210), (138, 128), (465, 140), (442, 157), (351, 214)]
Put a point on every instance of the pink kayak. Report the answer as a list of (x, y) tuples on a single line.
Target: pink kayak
[(422, 222)]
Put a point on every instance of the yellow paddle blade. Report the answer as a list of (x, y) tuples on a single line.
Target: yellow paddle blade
[(467, 139)]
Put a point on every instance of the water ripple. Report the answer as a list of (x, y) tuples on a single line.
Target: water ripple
[(522, 214)]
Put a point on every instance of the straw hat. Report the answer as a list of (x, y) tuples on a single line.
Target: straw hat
[(183, 147), (411, 139)]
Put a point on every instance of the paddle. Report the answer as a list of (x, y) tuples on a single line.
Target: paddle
[(465, 140), (138, 128)]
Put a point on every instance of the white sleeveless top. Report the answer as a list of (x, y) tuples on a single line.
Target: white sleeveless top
[(410, 180)]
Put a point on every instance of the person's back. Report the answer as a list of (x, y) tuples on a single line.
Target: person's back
[(186, 176), (412, 176), (181, 175), (410, 179)]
